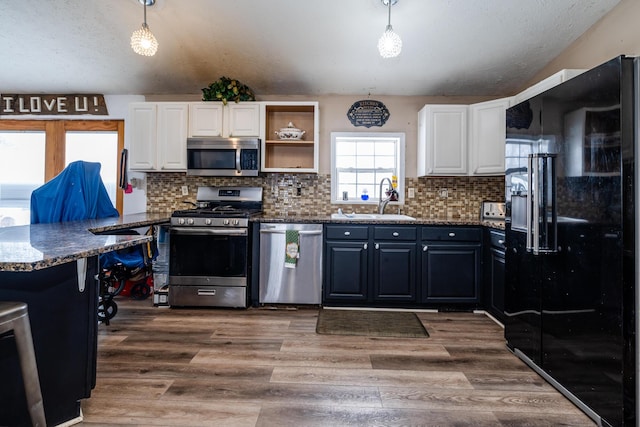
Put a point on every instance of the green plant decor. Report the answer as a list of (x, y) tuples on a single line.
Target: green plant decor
[(225, 89)]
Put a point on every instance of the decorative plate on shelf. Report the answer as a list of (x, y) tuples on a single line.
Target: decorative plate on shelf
[(290, 133)]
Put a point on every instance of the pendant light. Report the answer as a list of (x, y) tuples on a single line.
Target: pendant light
[(390, 43), (142, 41)]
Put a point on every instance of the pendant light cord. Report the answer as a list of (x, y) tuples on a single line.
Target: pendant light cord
[(389, 23)]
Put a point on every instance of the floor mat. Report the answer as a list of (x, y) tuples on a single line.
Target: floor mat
[(370, 323)]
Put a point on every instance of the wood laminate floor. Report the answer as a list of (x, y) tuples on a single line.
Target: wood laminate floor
[(265, 367)]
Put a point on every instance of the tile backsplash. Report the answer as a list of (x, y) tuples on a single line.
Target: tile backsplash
[(310, 194)]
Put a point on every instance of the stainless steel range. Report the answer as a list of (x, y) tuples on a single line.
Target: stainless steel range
[(210, 248)]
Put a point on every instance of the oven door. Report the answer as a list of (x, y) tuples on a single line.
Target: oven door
[(208, 256), (208, 267)]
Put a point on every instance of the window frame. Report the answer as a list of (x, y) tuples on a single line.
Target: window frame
[(400, 151), (55, 133)]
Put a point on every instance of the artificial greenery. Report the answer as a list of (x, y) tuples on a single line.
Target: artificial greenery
[(225, 89)]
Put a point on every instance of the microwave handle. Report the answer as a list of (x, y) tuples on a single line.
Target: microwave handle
[(238, 168)]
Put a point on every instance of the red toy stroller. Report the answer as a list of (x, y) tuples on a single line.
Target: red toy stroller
[(126, 272)]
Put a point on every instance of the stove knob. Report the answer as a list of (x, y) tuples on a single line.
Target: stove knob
[(181, 221), (226, 222), (236, 221), (207, 221), (190, 221)]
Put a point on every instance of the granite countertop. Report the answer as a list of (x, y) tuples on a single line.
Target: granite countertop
[(499, 225), (38, 246)]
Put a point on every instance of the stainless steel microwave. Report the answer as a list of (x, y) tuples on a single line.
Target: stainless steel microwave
[(223, 156)]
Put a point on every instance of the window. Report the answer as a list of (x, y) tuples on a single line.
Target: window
[(34, 151), (22, 159), (360, 161)]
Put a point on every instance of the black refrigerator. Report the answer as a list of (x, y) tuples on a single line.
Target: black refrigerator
[(571, 237)]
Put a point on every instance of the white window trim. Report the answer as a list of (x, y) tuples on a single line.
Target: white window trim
[(337, 199)]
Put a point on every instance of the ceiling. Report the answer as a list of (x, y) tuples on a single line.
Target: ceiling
[(286, 47)]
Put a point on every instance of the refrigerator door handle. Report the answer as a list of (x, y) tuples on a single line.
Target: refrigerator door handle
[(541, 196), (530, 201)]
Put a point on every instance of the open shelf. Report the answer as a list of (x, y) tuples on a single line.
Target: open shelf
[(290, 155)]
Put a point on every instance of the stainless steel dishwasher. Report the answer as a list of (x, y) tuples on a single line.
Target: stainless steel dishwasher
[(301, 284)]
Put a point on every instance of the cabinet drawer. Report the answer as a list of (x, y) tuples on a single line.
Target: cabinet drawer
[(453, 234), (347, 232), (394, 233), (497, 239)]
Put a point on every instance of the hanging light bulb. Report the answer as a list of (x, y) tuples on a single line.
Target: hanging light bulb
[(390, 43), (143, 41)]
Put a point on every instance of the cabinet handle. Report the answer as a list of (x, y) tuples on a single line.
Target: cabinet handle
[(377, 246), (365, 246), (501, 242), (396, 234), (424, 248), (347, 233), (452, 234)]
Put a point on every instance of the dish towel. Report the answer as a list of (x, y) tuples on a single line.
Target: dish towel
[(292, 248)]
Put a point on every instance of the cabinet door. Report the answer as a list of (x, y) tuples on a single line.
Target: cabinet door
[(442, 142), (142, 136), (346, 271), (486, 137), (451, 272), (172, 136), (395, 271), (496, 297), (244, 119), (205, 119)]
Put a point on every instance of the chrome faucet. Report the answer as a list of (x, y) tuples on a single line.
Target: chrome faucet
[(392, 192)]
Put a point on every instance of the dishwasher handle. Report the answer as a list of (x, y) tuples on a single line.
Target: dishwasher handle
[(302, 233)]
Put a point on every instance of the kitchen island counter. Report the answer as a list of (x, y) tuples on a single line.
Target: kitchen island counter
[(53, 269), (37, 246)]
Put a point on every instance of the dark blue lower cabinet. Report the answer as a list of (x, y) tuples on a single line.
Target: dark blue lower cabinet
[(401, 265), (346, 272), (395, 271), (451, 273), (63, 317)]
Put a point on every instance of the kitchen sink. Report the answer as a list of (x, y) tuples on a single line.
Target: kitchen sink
[(372, 217)]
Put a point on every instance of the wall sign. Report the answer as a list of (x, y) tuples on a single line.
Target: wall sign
[(368, 113), (18, 104)]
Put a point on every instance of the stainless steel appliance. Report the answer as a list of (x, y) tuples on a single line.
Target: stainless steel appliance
[(210, 248), (300, 284), (572, 231), (223, 156), (492, 211)]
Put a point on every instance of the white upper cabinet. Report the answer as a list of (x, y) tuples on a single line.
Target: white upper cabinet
[(172, 136), (244, 119), (442, 140), (205, 119), (231, 120), (157, 134), (141, 134), (546, 84), (487, 133)]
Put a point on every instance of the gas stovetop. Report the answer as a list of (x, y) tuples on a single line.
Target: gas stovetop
[(221, 206), (217, 212)]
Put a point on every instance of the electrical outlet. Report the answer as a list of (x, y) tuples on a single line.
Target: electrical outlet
[(444, 193), (185, 190), (412, 192)]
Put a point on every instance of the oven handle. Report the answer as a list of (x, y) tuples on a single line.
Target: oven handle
[(211, 231)]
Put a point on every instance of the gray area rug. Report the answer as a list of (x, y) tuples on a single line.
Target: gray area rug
[(370, 323)]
